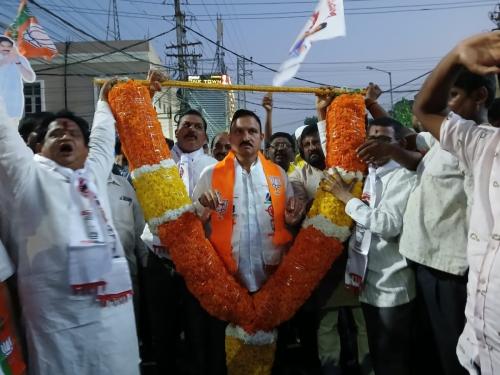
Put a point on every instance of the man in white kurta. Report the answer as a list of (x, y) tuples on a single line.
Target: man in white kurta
[(253, 250), (67, 334)]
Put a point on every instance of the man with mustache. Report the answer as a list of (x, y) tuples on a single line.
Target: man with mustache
[(72, 274), (251, 203), (173, 308)]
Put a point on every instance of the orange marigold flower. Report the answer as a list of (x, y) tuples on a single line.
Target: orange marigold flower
[(345, 128), (140, 131)]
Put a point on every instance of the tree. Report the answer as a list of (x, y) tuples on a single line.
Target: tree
[(403, 112), (311, 120)]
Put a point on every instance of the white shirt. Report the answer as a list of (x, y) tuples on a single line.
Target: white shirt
[(437, 215), (389, 281), (191, 165), (478, 147), (248, 233), (66, 334), (128, 220), (6, 269)]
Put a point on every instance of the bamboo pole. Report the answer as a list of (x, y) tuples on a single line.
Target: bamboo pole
[(264, 88)]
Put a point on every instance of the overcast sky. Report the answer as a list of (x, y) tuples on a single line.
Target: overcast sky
[(404, 37)]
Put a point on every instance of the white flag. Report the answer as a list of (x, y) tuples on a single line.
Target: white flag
[(326, 22)]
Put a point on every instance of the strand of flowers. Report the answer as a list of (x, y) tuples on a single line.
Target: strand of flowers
[(167, 208), (326, 227)]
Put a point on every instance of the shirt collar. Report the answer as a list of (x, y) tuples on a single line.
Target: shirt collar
[(177, 153), (384, 169)]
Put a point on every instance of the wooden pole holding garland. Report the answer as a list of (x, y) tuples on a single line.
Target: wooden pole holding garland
[(263, 88)]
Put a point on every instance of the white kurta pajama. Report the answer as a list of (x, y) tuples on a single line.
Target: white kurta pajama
[(67, 334), (251, 240)]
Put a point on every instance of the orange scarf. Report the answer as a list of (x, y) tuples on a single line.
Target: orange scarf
[(222, 222)]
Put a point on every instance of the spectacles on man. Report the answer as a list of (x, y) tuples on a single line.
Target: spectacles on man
[(281, 146)]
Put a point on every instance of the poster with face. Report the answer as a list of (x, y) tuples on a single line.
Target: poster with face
[(14, 69)]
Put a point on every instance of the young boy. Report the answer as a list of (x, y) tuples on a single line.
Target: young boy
[(387, 284), (478, 148)]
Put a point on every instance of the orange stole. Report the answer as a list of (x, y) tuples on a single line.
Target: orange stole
[(221, 220)]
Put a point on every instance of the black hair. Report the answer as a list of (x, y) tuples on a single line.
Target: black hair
[(118, 146), (4, 38), (469, 82), (494, 110), (245, 113), (30, 123), (283, 135), (311, 129), (170, 143), (192, 112), (213, 139), (51, 117), (389, 122)]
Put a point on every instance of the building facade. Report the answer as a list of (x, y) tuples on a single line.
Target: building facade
[(67, 82)]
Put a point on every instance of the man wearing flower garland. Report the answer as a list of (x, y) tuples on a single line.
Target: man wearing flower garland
[(73, 278), (173, 303), (252, 203)]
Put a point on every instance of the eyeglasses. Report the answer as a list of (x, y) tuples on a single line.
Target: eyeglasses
[(281, 146)]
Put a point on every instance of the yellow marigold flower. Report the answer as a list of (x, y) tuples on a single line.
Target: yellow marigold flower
[(328, 206), (245, 359), (160, 191)]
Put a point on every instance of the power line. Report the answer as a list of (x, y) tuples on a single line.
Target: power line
[(250, 60), (107, 53), (91, 36)]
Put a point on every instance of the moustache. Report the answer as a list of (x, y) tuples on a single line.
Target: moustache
[(248, 143), (191, 134)]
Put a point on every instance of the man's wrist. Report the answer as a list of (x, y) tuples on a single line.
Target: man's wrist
[(346, 197), (369, 102), (321, 114)]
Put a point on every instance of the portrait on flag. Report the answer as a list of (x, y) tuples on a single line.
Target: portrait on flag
[(326, 22)]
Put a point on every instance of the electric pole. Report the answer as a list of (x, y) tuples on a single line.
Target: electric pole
[(185, 60), (241, 79), (113, 13), (219, 52), (495, 16)]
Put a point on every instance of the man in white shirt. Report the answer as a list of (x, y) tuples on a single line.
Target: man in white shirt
[(375, 266), (72, 274), (478, 148), (436, 223), (172, 308), (257, 238), (129, 222)]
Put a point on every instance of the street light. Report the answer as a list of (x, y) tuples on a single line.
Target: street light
[(390, 81)]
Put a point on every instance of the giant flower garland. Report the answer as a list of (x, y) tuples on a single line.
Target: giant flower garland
[(168, 210)]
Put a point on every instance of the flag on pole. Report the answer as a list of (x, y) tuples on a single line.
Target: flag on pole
[(32, 40), (326, 22)]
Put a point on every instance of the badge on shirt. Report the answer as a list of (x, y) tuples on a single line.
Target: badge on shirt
[(276, 184)]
